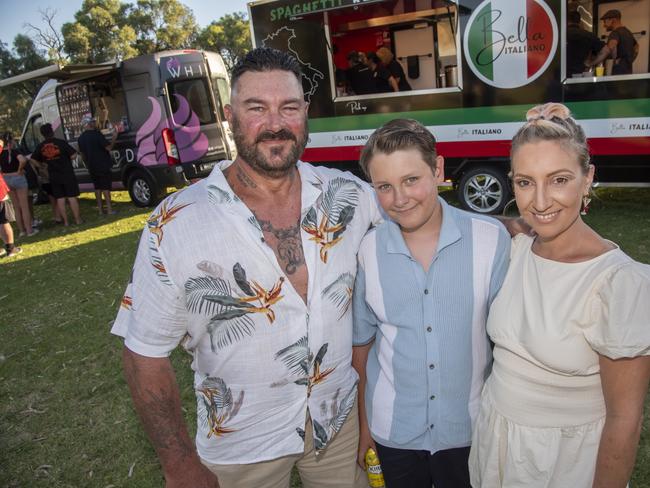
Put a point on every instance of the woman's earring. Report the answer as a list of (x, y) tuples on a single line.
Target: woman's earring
[(585, 205)]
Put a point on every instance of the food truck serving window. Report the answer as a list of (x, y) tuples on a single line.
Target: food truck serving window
[(390, 47), (194, 92)]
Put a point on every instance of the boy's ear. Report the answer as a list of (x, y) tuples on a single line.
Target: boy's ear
[(439, 172)]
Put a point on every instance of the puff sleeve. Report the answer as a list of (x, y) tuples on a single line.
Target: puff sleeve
[(620, 313)]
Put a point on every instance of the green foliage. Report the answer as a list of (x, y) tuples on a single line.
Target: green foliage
[(15, 100), (229, 36), (162, 24), (100, 32)]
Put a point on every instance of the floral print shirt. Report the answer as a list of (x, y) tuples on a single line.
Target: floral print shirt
[(204, 277)]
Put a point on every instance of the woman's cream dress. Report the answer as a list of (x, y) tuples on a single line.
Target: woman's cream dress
[(542, 409)]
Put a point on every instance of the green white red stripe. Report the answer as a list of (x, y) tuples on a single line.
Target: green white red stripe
[(508, 43)]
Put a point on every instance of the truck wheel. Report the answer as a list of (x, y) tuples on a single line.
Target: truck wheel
[(142, 189), (484, 190)]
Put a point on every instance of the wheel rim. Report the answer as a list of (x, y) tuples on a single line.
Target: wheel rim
[(483, 193), (141, 190)]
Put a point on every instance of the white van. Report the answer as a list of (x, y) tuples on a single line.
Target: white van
[(167, 108)]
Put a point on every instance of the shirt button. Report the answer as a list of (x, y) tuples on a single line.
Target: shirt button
[(431, 426), (432, 397), (429, 329), (426, 291), (431, 366)]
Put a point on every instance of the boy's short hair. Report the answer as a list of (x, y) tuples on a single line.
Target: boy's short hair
[(400, 135)]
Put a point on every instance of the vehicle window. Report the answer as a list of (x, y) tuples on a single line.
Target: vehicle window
[(378, 50), (32, 134), (222, 93), (196, 93)]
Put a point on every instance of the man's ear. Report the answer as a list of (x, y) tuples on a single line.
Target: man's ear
[(227, 111)]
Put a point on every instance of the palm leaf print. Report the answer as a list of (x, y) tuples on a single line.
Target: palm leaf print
[(345, 217), (213, 269), (253, 221), (240, 278), (310, 219), (229, 327), (196, 289), (343, 410), (167, 213), (321, 437), (228, 301), (340, 292), (218, 196), (340, 193), (296, 357), (219, 406), (317, 375), (336, 208), (159, 266)]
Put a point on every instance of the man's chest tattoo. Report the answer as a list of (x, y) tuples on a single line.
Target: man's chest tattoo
[(289, 245)]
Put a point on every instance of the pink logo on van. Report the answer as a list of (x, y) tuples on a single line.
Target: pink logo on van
[(192, 144), (174, 67)]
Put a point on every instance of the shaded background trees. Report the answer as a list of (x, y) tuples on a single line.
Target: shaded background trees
[(107, 30)]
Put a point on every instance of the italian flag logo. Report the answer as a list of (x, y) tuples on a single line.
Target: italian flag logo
[(509, 44)]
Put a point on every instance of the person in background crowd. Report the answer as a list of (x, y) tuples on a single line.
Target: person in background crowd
[(13, 165), (251, 270), (425, 281), (581, 45), (359, 76), (58, 154), (384, 81), (6, 216), (394, 67), (563, 405), (96, 152), (621, 45)]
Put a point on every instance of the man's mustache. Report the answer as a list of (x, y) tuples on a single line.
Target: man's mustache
[(281, 135)]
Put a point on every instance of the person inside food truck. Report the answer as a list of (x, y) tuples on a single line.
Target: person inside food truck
[(581, 46), (621, 45)]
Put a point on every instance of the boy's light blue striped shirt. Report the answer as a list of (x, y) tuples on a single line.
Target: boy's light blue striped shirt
[(431, 353)]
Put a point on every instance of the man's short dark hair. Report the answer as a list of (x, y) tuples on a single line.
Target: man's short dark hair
[(612, 14), (574, 17), (353, 56), (46, 130), (263, 59)]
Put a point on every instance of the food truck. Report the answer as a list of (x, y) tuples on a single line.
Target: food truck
[(167, 108), (474, 69)]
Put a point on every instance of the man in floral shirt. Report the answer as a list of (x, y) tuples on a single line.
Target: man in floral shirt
[(252, 271)]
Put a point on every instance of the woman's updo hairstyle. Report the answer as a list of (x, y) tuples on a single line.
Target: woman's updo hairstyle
[(553, 122)]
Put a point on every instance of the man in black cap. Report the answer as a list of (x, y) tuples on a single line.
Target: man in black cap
[(621, 45), (581, 44)]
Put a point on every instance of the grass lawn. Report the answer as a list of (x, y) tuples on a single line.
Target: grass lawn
[(65, 414)]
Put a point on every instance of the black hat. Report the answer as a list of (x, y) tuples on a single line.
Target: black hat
[(611, 14)]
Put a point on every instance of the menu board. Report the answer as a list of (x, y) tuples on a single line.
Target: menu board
[(74, 103)]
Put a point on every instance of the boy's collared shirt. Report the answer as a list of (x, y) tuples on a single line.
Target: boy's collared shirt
[(205, 277), (431, 353)]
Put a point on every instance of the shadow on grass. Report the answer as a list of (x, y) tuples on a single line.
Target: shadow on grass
[(65, 412)]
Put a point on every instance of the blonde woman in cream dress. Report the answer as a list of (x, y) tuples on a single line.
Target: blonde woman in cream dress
[(571, 326)]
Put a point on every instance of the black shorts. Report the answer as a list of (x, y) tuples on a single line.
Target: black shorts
[(6, 212), (65, 187), (47, 188), (102, 181)]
